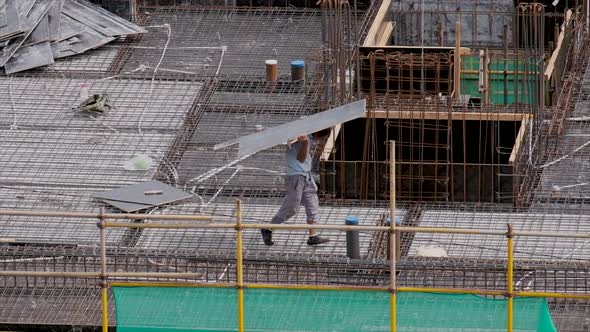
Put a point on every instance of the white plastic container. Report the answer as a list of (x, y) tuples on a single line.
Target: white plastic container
[(83, 92)]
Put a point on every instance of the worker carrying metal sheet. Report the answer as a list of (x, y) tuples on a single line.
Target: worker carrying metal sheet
[(301, 187)]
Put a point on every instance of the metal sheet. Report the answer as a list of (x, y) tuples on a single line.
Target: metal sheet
[(140, 193), (54, 16), (28, 57), (10, 23), (35, 16), (75, 38), (39, 34), (100, 19), (25, 6), (281, 134), (127, 206)]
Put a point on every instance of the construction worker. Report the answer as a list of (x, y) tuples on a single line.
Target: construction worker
[(301, 187)]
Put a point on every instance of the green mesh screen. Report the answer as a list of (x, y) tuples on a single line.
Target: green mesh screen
[(142, 309), (525, 83)]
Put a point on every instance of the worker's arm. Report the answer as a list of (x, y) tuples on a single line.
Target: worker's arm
[(302, 155)]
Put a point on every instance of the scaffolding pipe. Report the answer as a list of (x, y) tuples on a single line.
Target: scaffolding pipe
[(555, 295), (392, 245), (129, 216), (452, 291), (434, 230), (188, 275), (316, 287), (92, 275), (239, 266), (510, 278), (169, 226), (50, 274), (103, 272), (348, 288), (172, 284)]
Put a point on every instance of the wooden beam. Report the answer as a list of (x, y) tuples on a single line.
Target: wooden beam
[(330, 142), (464, 50), (433, 115), (457, 62), (384, 33), (551, 64), (370, 40), (518, 141)]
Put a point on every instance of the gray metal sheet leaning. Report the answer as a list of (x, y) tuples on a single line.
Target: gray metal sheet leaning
[(281, 134)]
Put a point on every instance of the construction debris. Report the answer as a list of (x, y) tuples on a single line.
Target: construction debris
[(33, 33), (98, 103)]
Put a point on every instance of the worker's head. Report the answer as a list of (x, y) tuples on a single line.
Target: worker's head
[(322, 133)]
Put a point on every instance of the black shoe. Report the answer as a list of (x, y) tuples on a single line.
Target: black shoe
[(267, 237), (313, 240)]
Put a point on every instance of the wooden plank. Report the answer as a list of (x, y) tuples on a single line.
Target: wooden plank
[(433, 115), (463, 50), (551, 64), (330, 142), (457, 62), (371, 35), (384, 34), (518, 141)]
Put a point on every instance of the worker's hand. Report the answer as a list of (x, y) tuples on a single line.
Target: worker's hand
[(302, 138)]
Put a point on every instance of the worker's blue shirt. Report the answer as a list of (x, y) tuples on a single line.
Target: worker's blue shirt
[(294, 166)]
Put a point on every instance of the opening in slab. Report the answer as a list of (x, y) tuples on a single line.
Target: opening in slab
[(445, 160)]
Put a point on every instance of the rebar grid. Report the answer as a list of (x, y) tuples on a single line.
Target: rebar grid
[(563, 162), (188, 110), (298, 268), (227, 41), (33, 296)]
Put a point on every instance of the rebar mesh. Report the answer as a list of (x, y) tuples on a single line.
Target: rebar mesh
[(199, 81)]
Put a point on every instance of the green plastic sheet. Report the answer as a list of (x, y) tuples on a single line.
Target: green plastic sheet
[(151, 309)]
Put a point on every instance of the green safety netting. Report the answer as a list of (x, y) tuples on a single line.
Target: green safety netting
[(143, 309), (502, 87)]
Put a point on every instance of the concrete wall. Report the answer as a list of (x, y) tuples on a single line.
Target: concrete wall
[(122, 8), (482, 22)]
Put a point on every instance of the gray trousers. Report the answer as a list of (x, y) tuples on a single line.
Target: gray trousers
[(301, 190)]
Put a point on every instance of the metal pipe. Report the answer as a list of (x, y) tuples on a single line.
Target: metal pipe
[(452, 291), (392, 247), (105, 309), (347, 288), (103, 272), (510, 278), (316, 287), (239, 266), (50, 274), (554, 295), (129, 216), (154, 275), (90, 275), (499, 72), (169, 226), (172, 284), (440, 230), (246, 285)]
